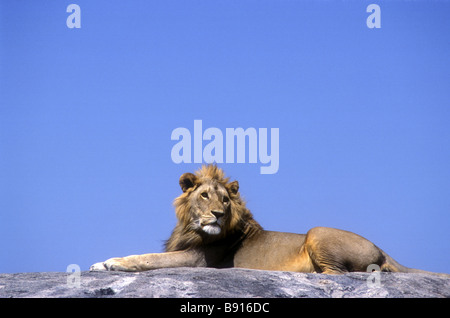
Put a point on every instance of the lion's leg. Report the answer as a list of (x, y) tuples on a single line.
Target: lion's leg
[(335, 251), (144, 262)]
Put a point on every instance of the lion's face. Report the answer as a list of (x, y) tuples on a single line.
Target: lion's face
[(209, 202), (210, 207)]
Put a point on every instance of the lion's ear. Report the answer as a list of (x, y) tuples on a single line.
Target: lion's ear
[(233, 187), (187, 181)]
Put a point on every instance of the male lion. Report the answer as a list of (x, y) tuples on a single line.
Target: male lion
[(215, 229)]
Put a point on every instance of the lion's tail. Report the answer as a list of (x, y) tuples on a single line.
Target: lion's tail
[(391, 265)]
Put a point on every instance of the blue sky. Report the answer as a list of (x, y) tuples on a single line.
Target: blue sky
[(86, 117)]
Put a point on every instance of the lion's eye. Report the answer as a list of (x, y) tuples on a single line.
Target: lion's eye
[(226, 199), (204, 195)]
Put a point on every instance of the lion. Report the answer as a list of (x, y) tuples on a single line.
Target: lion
[(215, 229)]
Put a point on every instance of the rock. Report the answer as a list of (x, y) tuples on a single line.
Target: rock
[(219, 283)]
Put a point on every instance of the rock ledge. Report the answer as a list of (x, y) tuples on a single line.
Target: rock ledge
[(221, 283)]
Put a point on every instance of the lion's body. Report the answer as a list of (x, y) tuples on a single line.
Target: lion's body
[(215, 229)]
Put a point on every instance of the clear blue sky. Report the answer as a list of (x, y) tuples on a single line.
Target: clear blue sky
[(86, 117)]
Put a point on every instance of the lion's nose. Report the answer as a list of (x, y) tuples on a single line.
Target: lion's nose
[(217, 213)]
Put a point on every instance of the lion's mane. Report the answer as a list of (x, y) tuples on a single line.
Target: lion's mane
[(239, 224)]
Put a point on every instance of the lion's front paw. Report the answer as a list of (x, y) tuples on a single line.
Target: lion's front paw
[(98, 267), (114, 264)]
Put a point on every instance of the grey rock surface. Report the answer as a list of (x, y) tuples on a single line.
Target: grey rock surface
[(229, 283)]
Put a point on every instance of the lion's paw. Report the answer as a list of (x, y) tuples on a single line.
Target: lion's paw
[(114, 264), (98, 267)]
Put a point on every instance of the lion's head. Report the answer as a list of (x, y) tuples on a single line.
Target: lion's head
[(210, 208)]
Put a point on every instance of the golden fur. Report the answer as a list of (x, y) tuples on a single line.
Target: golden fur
[(215, 229)]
